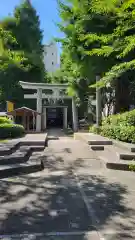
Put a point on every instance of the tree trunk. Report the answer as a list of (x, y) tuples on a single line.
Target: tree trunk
[(122, 95)]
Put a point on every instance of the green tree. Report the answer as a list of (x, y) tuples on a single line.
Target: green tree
[(12, 66), (27, 21), (23, 37), (78, 22), (123, 45), (99, 36)]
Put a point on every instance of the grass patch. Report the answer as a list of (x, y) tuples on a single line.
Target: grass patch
[(132, 167), (4, 140)]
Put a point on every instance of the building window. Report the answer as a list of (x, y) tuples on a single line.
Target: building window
[(52, 63), (52, 54)]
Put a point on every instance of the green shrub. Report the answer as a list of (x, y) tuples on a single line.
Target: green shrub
[(4, 120), (95, 129), (119, 126), (132, 166), (11, 130), (120, 132), (127, 118), (109, 131)]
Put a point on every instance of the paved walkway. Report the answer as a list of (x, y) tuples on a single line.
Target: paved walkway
[(75, 197)]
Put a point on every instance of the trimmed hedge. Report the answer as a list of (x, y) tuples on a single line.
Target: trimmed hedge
[(121, 133), (127, 118), (4, 120), (119, 126), (11, 130)]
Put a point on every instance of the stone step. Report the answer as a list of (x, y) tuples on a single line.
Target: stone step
[(92, 139), (8, 148), (97, 148), (32, 143), (121, 153), (125, 146), (111, 159), (124, 154), (127, 156), (35, 140), (19, 169), (100, 142), (53, 138), (36, 156), (37, 148), (118, 166), (21, 155)]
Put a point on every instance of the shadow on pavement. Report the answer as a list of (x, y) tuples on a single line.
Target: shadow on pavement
[(109, 199), (52, 202)]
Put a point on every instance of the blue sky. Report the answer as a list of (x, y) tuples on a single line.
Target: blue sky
[(46, 9)]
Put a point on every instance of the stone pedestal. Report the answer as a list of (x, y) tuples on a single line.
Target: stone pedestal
[(65, 117), (39, 109), (44, 118), (75, 115)]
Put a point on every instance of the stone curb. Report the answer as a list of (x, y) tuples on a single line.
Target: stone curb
[(97, 148), (120, 144), (118, 166), (101, 142), (115, 165), (128, 156)]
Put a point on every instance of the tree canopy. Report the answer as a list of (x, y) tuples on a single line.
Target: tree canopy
[(21, 51), (99, 40)]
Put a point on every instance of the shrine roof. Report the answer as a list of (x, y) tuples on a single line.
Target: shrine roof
[(29, 85), (23, 110)]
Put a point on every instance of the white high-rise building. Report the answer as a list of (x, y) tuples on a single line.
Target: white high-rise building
[(51, 60)]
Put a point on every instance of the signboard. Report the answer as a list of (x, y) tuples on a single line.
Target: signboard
[(10, 106)]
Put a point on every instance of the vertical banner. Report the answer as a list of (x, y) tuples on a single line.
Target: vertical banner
[(10, 106)]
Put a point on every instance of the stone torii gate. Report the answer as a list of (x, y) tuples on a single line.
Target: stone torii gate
[(58, 92)]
